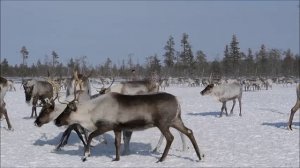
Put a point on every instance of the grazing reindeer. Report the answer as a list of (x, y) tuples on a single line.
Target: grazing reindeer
[(225, 92), (37, 90), (117, 112), (295, 108), (4, 86)]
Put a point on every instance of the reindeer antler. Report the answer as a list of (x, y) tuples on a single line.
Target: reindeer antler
[(103, 89)]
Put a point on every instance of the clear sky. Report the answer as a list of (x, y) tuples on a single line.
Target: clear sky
[(102, 29)]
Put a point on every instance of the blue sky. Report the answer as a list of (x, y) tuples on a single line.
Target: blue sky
[(102, 29)]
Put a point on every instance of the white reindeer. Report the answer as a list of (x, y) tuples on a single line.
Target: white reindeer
[(224, 93)]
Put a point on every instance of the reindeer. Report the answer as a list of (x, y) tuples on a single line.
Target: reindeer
[(163, 84), (134, 88), (78, 82), (4, 86), (37, 90), (11, 86), (225, 92), (118, 112), (49, 111), (295, 108)]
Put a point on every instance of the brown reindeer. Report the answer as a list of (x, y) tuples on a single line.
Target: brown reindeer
[(118, 112)]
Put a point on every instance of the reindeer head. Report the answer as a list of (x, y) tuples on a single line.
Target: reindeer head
[(62, 119), (207, 90), (28, 88), (104, 90), (45, 114)]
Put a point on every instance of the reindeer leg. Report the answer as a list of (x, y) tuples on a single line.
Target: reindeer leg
[(7, 119), (126, 139), (222, 108), (178, 124), (64, 138), (231, 111), (85, 133), (169, 137), (1, 115), (33, 110), (293, 111), (161, 138), (79, 135), (99, 131), (225, 108), (240, 105), (117, 144)]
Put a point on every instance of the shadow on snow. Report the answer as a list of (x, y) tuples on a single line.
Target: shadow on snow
[(100, 149), (282, 125), (215, 114)]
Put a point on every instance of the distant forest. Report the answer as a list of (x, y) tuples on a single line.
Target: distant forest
[(185, 62)]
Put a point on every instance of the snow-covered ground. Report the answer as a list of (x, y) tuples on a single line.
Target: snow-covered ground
[(257, 139)]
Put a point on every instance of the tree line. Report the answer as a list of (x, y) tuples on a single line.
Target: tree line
[(176, 63)]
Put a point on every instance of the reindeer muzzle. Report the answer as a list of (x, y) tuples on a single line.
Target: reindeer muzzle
[(58, 123), (37, 123)]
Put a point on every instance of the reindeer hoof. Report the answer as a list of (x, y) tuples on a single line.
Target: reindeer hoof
[(158, 161), (84, 159), (116, 159)]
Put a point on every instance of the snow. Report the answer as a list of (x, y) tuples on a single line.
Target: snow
[(257, 139)]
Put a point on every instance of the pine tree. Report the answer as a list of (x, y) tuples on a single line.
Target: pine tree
[(4, 67), (274, 62), (215, 68), (287, 64), (169, 53), (262, 61), (227, 62), (249, 63), (235, 55), (186, 55), (153, 64), (201, 62), (54, 61)]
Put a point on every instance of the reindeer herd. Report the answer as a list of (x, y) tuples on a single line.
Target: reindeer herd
[(123, 108)]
